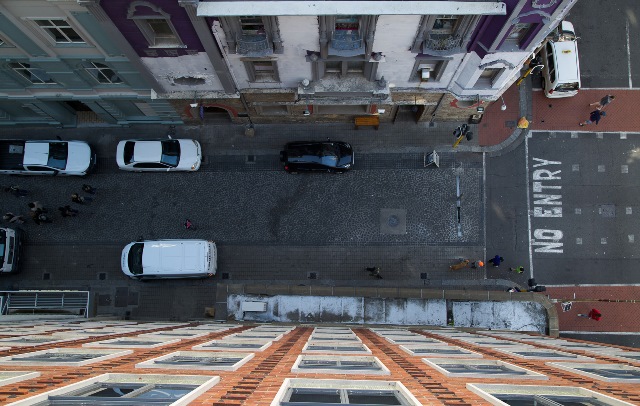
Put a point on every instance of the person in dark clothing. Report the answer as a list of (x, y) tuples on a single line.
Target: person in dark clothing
[(67, 211), (374, 271), (88, 189), (594, 117), (76, 198), (495, 261), (16, 191)]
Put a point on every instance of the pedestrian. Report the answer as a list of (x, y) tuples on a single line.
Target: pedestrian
[(460, 265), (495, 261), (16, 191), (477, 264), (604, 102), (35, 206), (374, 271), (519, 269), (594, 117), (593, 314), (39, 217), (514, 289), (76, 198), (188, 225), (12, 218), (88, 189), (68, 211)]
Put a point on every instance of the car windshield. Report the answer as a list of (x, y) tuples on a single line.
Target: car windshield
[(170, 152), (345, 155), (129, 146), (567, 87), (58, 152), (135, 258), (3, 242), (325, 154)]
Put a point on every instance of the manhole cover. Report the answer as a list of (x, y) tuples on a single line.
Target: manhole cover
[(393, 221), (607, 210)]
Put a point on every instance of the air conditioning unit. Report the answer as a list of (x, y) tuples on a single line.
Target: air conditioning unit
[(425, 74)]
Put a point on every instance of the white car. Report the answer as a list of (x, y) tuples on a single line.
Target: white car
[(159, 155)]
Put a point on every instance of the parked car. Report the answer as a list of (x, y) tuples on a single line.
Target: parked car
[(169, 259), (324, 156), (10, 249), (159, 155), (50, 157), (561, 72)]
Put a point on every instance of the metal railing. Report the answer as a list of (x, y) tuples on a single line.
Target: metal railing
[(254, 44), (41, 300), (443, 42), (344, 41)]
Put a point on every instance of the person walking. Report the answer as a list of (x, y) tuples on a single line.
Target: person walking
[(519, 269), (593, 314), (594, 117), (76, 198), (35, 206), (374, 271), (604, 102), (16, 191), (88, 189), (495, 261), (68, 211), (477, 264), (12, 218), (188, 225)]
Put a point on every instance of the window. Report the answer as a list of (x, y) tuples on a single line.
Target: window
[(230, 345), (329, 391), (519, 32), (226, 361), (428, 70), (445, 24), (440, 351), (603, 372), (338, 347), (32, 74), (254, 36), (101, 72), (339, 364), (478, 368), (60, 31), (132, 343), (262, 70), (527, 395), (543, 354), (487, 77), (155, 25), (63, 356), (443, 34), (341, 68), (130, 389)]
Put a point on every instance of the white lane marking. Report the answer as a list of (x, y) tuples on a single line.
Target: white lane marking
[(592, 285), (622, 333), (629, 56), (526, 160)]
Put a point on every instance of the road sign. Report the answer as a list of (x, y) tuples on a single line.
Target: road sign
[(431, 158)]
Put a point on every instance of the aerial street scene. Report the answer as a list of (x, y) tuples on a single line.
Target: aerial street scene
[(292, 202)]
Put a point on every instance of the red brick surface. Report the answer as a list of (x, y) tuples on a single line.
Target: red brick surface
[(498, 125)]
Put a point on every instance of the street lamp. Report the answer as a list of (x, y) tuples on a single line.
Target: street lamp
[(504, 106)]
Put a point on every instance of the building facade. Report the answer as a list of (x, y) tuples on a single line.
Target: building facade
[(188, 61), (100, 361), (62, 63)]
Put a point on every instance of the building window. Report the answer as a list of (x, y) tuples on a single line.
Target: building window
[(487, 78), (60, 31), (133, 342), (34, 75), (477, 368), (63, 357), (443, 34), (450, 351), (219, 361), (155, 25), (428, 70), (332, 391), (230, 345), (541, 395), (133, 389), (543, 354), (335, 364), (603, 372), (336, 347), (253, 36), (445, 24), (101, 73), (262, 70)]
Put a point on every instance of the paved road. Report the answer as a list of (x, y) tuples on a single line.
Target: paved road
[(579, 206)]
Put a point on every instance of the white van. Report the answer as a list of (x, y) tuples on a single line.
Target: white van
[(10, 249), (169, 259), (561, 72)]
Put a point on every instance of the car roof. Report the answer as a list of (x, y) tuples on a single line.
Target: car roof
[(147, 151), (567, 63)]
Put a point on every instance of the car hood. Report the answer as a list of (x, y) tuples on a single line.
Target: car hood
[(189, 155), (79, 158)]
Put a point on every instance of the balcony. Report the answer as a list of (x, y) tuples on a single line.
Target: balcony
[(346, 43), (442, 44), (254, 45)]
